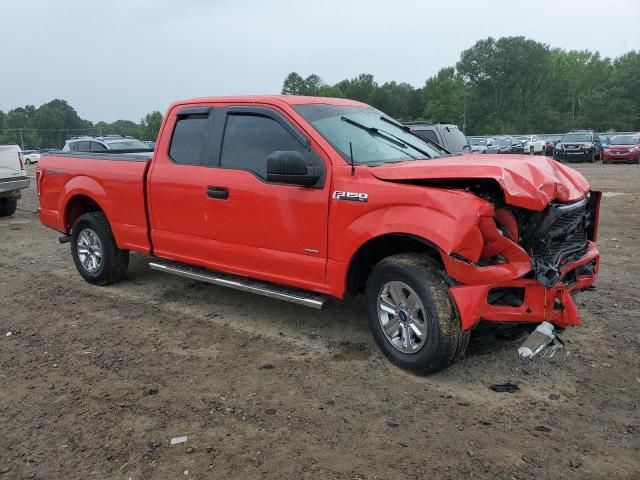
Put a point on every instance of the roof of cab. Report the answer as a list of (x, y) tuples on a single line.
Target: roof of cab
[(271, 99)]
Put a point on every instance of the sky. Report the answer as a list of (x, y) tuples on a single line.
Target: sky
[(120, 59)]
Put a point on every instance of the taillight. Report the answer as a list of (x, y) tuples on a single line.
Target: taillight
[(39, 177), (20, 157)]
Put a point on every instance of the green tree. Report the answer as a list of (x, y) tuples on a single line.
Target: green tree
[(293, 85), (445, 95), (150, 126)]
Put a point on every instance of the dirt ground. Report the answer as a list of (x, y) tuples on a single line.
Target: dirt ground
[(95, 381)]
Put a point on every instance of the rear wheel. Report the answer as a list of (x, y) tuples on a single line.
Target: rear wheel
[(531, 151), (411, 314), (8, 206), (94, 250)]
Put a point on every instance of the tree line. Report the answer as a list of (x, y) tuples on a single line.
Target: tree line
[(49, 125), (508, 85)]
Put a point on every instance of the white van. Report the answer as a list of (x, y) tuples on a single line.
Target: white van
[(13, 178)]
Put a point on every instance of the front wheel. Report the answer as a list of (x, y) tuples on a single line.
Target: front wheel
[(94, 250), (411, 314)]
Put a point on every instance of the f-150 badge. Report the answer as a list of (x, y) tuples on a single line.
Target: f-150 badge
[(352, 196)]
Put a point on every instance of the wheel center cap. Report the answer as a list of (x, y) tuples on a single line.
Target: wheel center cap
[(404, 317)]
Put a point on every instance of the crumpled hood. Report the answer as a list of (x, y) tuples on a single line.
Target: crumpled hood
[(527, 182)]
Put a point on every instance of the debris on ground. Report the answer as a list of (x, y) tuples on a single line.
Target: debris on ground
[(542, 428), (542, 336), (150, 391), (504, 387), (178, 440)]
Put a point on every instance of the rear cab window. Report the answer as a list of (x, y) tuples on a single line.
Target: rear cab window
[(188, 139)]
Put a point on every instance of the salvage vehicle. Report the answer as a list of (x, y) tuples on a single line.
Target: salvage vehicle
[(309, 199), (550, 143), (13, 178), (578, 146), (483, 145), (622, 149), (448, 136), (506, 144), (532, 144), (105, 142)]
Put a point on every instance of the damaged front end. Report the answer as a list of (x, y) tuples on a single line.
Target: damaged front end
[(529, 264)]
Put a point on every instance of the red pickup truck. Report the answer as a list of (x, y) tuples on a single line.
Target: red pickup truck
[(306, 199)]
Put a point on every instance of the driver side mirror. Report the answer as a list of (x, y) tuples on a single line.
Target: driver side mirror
[(290, 167)]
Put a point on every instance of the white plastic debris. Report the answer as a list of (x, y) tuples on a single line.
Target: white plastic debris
[(8, 334), (178, 440), (542, 336)]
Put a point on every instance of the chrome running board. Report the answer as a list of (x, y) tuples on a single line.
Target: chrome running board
[(301, 297)]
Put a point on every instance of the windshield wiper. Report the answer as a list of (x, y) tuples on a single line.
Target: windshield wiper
[(376, 131), (411, 132)]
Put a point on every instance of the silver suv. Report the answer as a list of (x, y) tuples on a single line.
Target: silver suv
[(106, 142), (446, 135)]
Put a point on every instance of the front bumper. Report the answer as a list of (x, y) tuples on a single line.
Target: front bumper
[(539, 304), (625, 157), (573, 155)]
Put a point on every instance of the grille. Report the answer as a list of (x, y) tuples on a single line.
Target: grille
[(562, 234)]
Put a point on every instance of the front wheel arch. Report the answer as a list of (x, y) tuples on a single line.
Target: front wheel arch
[(377, 248)]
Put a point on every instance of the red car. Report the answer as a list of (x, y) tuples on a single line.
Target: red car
[(306, 199), (622, 149)]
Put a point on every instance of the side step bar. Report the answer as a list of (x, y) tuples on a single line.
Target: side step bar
[(301, 297)]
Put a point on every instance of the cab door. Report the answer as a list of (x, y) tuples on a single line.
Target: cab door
[(260, 228), (210, 202), (177, 183)]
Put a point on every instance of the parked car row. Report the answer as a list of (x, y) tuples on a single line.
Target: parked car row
[(575, 146)]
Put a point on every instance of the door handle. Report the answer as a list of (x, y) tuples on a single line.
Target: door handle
[(221, 193)]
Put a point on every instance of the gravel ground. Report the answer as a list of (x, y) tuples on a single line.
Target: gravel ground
[(95, 381)]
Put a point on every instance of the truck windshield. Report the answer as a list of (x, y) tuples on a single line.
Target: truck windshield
[(374, 140)]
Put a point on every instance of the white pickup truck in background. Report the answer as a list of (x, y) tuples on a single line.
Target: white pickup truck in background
[(13, 178)]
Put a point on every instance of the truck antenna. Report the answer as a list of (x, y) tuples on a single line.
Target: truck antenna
[(353, 165)]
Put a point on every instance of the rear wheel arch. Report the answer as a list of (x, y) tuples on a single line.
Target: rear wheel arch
[(378, 248), (77, 206)]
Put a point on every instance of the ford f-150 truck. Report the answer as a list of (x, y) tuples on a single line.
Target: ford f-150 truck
[(307, 199)]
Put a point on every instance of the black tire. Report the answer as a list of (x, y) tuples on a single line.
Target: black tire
[(8, 206), (445, 341), (114, 261), (592, 159)]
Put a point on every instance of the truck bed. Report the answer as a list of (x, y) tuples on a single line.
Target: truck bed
[(115, 181)]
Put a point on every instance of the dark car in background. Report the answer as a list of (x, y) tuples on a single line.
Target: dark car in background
[(550, 143), (448, 136), (578, 146), (622, 149), (518, 144), (505, 143)]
